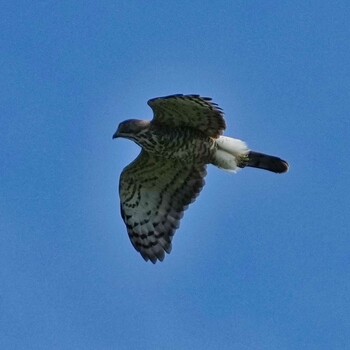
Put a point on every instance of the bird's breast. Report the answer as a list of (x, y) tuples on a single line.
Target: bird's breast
[(177, 143)]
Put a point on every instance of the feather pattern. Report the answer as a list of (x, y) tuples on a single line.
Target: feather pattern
[(154, 193), (191, 111), (184, 136)]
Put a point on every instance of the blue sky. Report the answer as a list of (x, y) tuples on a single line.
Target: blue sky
[(261, 261)]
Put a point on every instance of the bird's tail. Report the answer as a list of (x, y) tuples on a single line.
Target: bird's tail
[(266, 162), (233, 154)]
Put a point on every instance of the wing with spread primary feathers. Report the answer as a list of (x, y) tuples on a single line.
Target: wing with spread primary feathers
[(154, 193), (189, 110)]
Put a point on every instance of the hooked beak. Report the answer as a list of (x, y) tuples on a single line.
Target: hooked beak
[(116, 134)]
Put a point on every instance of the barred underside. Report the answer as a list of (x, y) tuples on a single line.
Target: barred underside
[(155, 189), (154, 193), (184, 144)]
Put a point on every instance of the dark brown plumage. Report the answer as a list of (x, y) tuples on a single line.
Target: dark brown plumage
[(177, 144)]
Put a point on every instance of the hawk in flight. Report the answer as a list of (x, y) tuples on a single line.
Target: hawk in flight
[(184, 136)]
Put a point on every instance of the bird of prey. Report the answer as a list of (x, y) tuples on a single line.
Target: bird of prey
[(184, 136)]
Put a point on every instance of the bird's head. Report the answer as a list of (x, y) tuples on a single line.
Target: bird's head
[(131, 129)]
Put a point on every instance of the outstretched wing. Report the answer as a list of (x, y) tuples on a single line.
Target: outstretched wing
[(153, 196), (189, 110)]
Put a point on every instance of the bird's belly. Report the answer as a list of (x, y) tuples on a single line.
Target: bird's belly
[(193, 149)]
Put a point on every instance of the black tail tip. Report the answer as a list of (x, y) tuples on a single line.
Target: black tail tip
[(281, 167), (267, 162)]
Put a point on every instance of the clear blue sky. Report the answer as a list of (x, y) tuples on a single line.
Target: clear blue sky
[(261, 261)]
